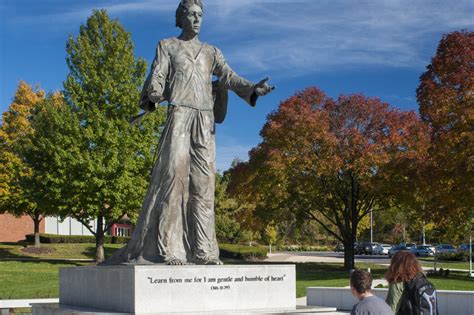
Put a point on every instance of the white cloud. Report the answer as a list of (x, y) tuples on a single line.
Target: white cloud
[(148, 6), (312, 36), (299, 37)]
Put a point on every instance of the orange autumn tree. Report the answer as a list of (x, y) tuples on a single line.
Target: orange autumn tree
[(330, 161), (15, 196), (446, 99)]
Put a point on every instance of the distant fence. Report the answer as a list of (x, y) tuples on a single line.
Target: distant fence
[(7, 305), (449, 302)]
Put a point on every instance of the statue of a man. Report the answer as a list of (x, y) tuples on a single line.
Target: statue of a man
[(176, 223)]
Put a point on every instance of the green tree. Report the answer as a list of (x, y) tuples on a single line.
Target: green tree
[(21, 188), (227, 227), (235, 220), (271, 234), (98, 164)]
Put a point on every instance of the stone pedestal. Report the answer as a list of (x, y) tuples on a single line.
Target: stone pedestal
[(176, 289)]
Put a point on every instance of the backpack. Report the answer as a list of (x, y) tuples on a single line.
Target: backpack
[(419, 297)]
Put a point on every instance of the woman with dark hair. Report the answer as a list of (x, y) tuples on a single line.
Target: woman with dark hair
[(404, 267), (176, 222)]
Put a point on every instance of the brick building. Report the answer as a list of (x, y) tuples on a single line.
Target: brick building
[(14, 229)]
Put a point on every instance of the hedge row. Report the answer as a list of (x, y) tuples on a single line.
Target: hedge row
[(460, 256), (242, 252), (87, 239), (232, 251), (304, 248)]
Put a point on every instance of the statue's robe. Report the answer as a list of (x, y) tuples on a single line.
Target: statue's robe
[(177, 220)]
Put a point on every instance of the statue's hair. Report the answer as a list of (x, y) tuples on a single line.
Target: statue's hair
[(182, 8)]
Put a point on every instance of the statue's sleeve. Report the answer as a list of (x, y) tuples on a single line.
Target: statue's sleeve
[(232, 81), (159, 72), (154, 87)]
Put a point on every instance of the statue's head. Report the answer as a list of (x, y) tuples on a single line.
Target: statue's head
[(189, 15)]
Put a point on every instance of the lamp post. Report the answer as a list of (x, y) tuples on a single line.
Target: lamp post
[(371, 229), (470, 246), (424, 235), (424, 238)]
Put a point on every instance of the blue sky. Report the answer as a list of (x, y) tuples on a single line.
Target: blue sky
[(378, 48)]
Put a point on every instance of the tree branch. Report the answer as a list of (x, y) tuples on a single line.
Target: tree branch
[(85, 224), (312, 216), (108, 225)]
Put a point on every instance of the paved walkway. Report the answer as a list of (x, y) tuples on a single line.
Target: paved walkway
[(302, 301), (47, 259), (334, 313), (303, 257), (296, 258)]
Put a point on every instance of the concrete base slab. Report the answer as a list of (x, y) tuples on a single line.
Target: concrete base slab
[(179, 289), (57, 309)]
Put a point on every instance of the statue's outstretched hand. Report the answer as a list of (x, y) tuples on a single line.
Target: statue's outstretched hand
[(262, 88)]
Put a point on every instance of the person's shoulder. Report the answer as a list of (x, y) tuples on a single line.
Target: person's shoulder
[(355, 308), (379, 304), (168, 42), (211, 48), (375, 298)]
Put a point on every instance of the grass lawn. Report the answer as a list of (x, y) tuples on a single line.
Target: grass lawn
[(455, 281), (39, 279), (21, 280), (333, 275), (329, 275), (428, 262)]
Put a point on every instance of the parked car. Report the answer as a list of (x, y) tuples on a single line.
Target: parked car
[(339, 248), (465, 248), (386, 248), (408, 245), (377, 249), (358, 248), (445, 248), (422, 251), (432, 247), (366, 248), (396, 249)]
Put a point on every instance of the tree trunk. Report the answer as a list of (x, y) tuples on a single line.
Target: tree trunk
[(349, 252), (36, 222), (99, 240), (351, 228)]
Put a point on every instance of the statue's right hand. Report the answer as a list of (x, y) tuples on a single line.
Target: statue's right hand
[(155, 97)]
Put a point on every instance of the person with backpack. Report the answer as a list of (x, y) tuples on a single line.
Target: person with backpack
[(409, 290)]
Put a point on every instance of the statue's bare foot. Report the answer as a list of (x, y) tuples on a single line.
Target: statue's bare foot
[(175, 262), (214, 262), (208, 261)]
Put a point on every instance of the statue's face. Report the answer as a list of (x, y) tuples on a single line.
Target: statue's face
[(192, 20)]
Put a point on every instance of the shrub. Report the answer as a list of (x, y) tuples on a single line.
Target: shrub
[(242, 252), (227, 229), (303, 248), (460, 256), (85, 239)]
